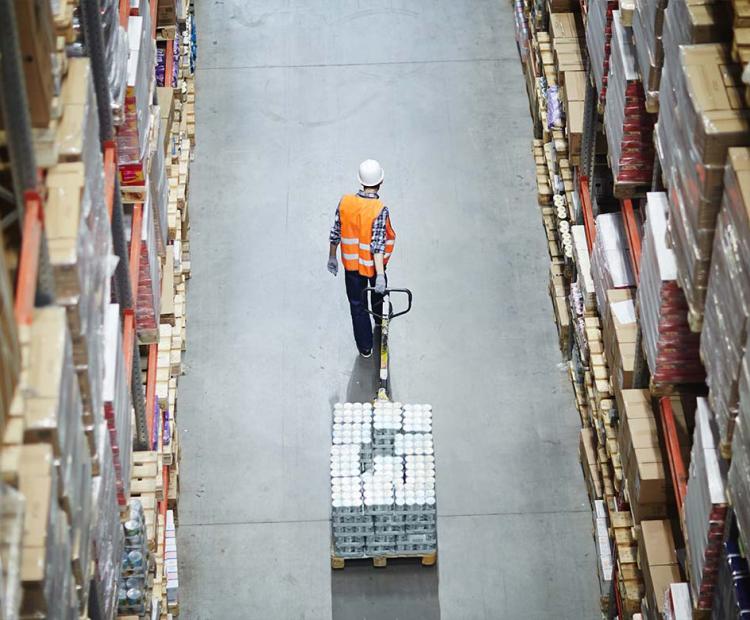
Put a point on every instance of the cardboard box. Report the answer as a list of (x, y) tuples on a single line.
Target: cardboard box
[(37, 42), (566, 26)]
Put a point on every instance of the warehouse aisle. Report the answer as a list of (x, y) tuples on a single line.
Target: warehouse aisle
[(290, 97)]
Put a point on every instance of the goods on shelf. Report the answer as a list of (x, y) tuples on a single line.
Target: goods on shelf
[(699, 119), (727, 310), (133, 585), (642, 462), (610, 262), (670, 346), (705, 510), (116, 44), (732, 598), (132, 135), (603, 550), (629, 126), (648, 21), (658, 561), (693, 21), (12, 509), (10, 352), (620, 333), (382, 480), (677, 603), (598, 41)]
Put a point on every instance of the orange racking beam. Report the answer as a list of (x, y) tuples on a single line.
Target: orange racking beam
[(676, 464), (124, 13), (154, 5), (634, 237), (135, 247), (588, 213), (128, 341), (169, 63), (28, 264)]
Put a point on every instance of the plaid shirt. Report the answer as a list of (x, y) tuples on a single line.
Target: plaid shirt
[(377, 245)]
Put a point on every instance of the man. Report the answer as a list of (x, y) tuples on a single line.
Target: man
[(363, 228)]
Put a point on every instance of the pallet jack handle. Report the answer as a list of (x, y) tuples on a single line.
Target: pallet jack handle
[(387, 293)]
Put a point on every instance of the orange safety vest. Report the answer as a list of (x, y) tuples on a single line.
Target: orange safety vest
[(357, 215)]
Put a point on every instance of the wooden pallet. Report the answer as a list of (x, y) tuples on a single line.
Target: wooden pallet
[(381, 561)]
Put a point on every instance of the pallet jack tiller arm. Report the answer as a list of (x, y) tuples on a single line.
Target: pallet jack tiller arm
[(385, 318)]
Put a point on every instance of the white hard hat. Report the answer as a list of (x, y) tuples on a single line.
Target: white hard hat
[(370, 173)]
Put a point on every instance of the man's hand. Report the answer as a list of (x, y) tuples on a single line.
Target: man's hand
[(380, 284), (333, 265)]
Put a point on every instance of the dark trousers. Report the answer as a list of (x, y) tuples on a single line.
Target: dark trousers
[(355, 284)]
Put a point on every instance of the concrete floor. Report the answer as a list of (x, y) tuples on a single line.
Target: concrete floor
[(291, 95)]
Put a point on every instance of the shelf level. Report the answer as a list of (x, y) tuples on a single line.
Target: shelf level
[(634, 236), (28, 265), (676, 464)]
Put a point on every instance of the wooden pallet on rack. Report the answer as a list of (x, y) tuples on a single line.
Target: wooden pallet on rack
[(381, 561)]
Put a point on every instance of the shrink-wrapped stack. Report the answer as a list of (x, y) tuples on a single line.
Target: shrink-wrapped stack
[(705, 509), (610, 261), (629, 126), (598, 41), (648, 21), (701, 115), (116, 55), (724, 334), (671, 348)]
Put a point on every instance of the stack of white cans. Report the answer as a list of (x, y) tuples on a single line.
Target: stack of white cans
[(383, 480)]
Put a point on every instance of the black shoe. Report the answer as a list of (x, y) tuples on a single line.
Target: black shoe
[(366, 354)]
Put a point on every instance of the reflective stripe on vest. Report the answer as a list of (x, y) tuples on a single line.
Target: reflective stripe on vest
[(357, 215)]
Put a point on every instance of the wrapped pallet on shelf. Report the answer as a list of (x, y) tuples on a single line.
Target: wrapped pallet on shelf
[(727, 311), (620, 334), (12, 510), (738, 483), (670, 346), (610, 262), (732, 596), (677, 602), (132, 135), (702, 116), (642, 461), (705, 510), (117, 404), (648, 21), (116, 44), (629, 127), (687, 22), (658, 560), (599, 40), (78, 230)]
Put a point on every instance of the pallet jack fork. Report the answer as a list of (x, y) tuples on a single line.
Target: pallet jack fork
[(385, 319)]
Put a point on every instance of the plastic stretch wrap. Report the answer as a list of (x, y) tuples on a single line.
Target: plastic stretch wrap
[(671, 348), (116, 55), (727, 309), (521, 30), (12, 506), (117, 403), (598, 39), (698, 121), (134, 573), (132, 135), (158, 183), (694, 21), (648, 21), (677, 603), (629, 126), (704, 509), (732, 599), (149, 276), (610, 262), (49, 583), (738, 481), (78, 230), (107, 531)]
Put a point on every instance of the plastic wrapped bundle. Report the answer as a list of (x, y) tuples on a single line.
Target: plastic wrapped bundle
[(699, 120), (694, 21), (732, 599), (106, 529), (671, 348), (705, 509), (724, 334), (610, 262), (677, 603), (116, 56), (132, 135), (117, 404), (629, 126), (49, 585), (648, 21), (12, 507), (149, 279), (598, 40), (158, 184)]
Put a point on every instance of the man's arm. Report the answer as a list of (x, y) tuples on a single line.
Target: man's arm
[(334, 239), (377, 246)]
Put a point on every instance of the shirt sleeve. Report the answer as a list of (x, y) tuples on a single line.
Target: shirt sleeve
[(377, 246), (335, 236)]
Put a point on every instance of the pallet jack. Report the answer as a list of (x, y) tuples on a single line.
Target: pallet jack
[(384, 395)]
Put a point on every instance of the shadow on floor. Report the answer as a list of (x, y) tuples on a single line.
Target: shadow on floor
[(404, 590)]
